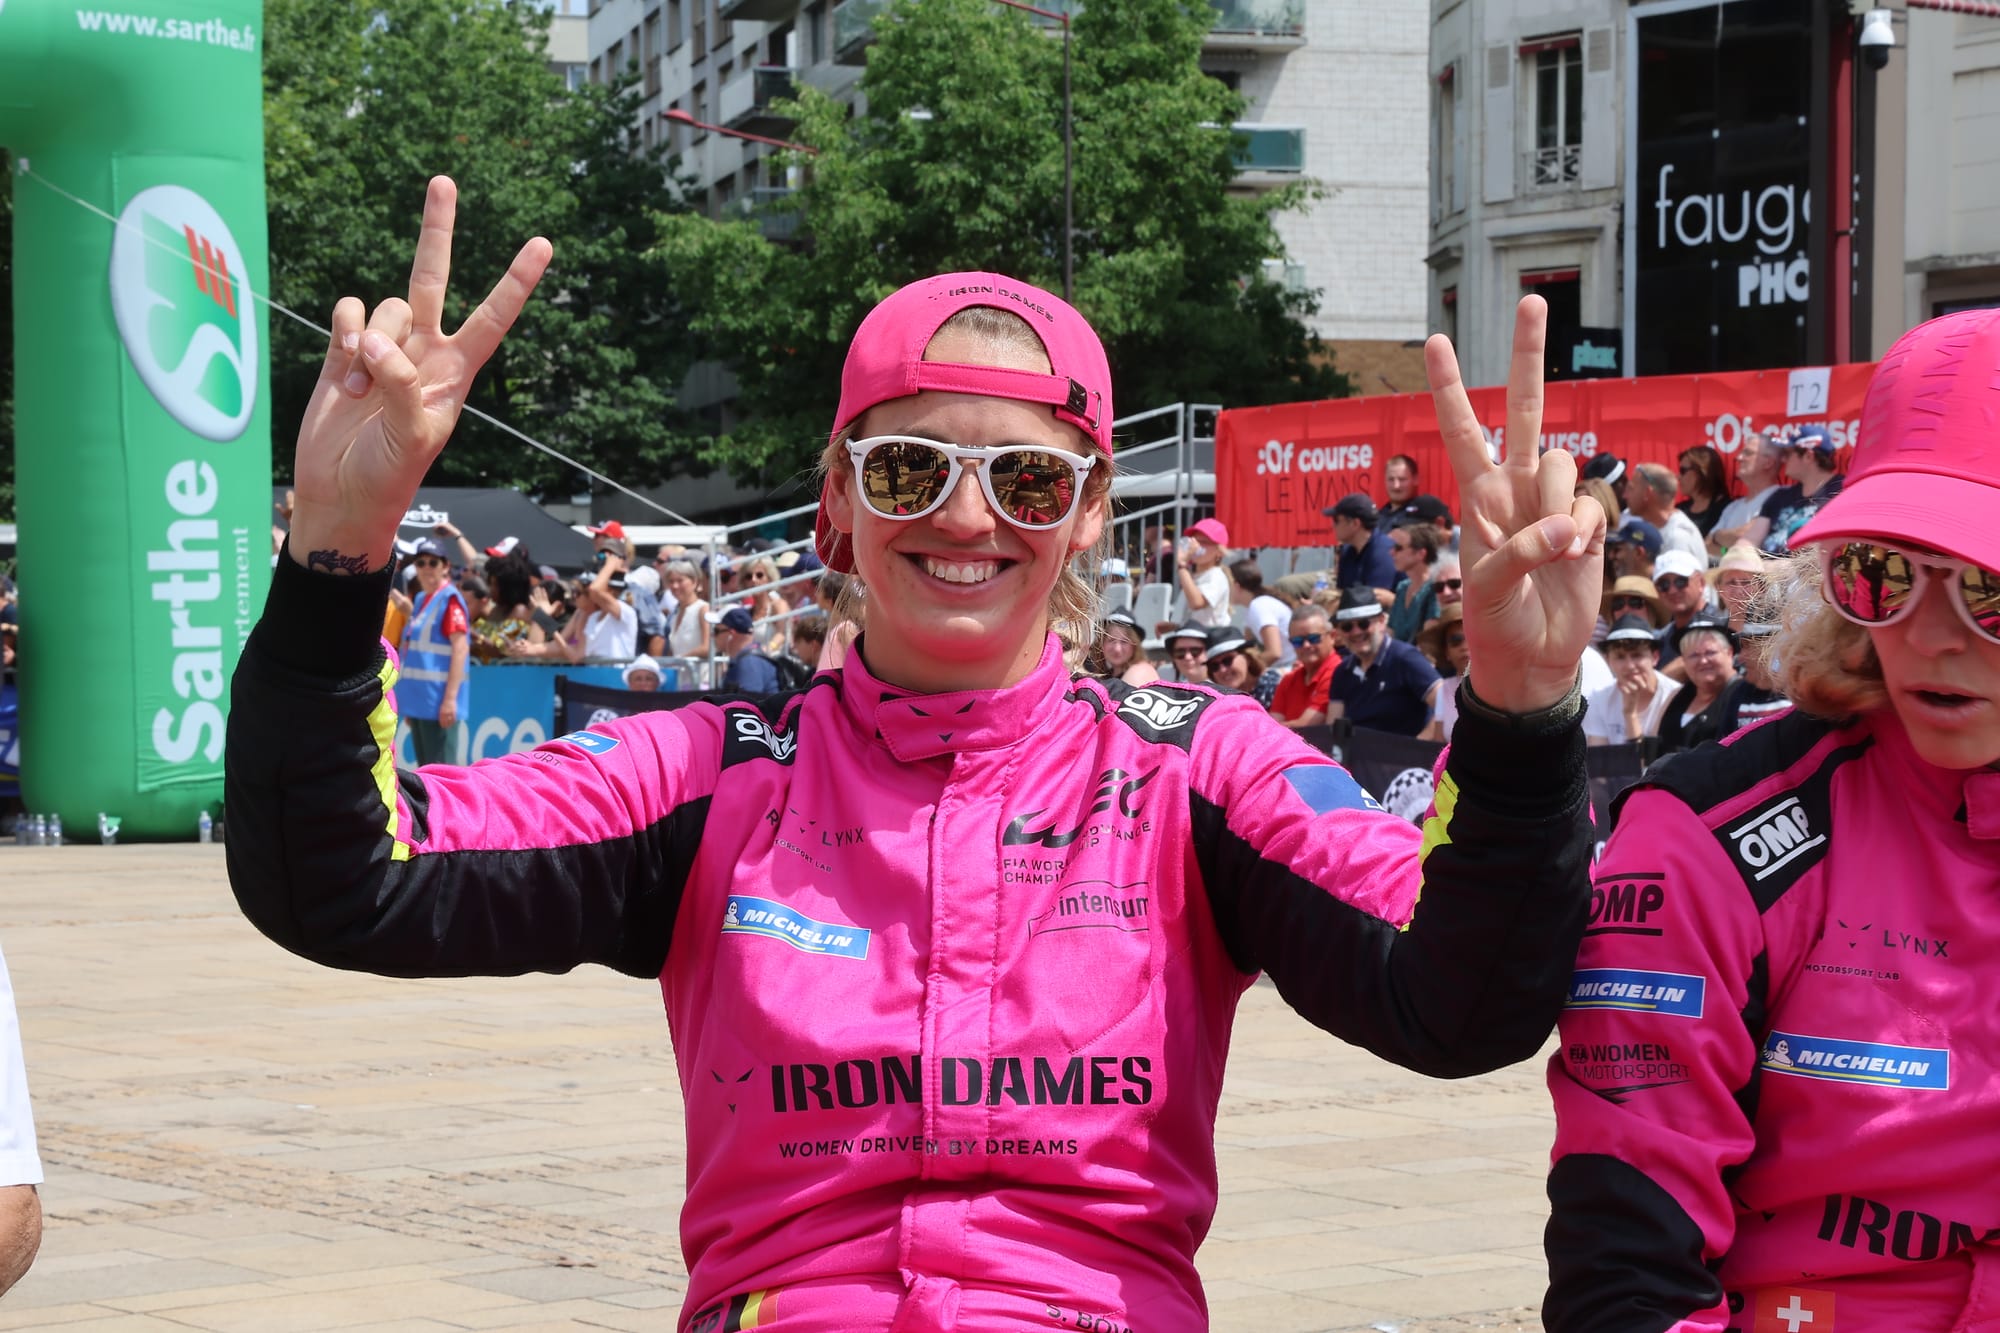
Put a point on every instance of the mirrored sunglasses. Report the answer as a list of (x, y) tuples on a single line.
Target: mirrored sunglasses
[(1875, 584), (1301, 640), (905, 477)]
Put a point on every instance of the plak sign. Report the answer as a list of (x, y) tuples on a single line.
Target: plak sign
[(186, 319)]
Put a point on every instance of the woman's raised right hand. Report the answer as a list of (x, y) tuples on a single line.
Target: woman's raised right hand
[(389, 395)]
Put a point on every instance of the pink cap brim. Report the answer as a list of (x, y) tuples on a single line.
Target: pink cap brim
[(1942, 513)]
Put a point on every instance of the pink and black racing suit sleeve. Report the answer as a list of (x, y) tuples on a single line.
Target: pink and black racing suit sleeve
[(534, 862), (1654, 1081), (1313, 883)]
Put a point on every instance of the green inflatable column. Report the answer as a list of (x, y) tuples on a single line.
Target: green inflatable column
[(143, 457)]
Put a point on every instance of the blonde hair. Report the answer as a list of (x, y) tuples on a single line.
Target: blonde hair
[(1073, 602), (1821, 661), (1598, 489)]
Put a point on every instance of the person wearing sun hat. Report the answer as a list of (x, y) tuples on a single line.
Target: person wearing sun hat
[(1121, 651), (928, 864), (1200, 573), (1738, 580), (1811, 912)]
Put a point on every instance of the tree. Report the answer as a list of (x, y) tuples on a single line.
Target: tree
[(6, 337), (957, 164), (367, 99)]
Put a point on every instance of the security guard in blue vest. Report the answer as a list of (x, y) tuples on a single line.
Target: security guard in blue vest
[(431, 694)]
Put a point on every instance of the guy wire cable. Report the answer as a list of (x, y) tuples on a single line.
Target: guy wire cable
[(25, 170)]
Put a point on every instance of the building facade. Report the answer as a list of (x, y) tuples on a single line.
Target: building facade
[(1334, 92), (1669, 200)]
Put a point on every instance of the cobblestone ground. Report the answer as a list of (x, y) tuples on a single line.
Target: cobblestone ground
[(242, 1142)]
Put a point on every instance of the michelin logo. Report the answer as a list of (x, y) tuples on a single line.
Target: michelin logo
[(1839, 1061), (744, 915), (590, 742), (1676, 994)]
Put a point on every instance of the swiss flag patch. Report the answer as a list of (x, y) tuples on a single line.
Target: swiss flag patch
[(1793, 1310)]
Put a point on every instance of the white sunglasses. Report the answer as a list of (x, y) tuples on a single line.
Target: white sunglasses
[(905, 477)]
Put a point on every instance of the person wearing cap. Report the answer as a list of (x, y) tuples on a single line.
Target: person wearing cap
[(1754, 695), (1650, 489), (1630, 596), (642, 675), (1121, 651), (1300, 698), (1630, 708), (1267, 620), (1812, 1124), (1757, 468), (1682, 583), (1737, 581), (1812, 467), (1237, 665), (1604, 467), (1187, 649), (1383, 683), (1443, 642), (866, 893), (747, 669), (1633, 546), (1705, 647), (1364, 553), (1198, 569), (433, 694)]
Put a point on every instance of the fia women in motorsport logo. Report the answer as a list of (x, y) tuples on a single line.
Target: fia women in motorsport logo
[(184, 314)]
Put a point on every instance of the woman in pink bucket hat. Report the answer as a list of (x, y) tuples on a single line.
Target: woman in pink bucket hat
[(950, 940), (1779, 1075)]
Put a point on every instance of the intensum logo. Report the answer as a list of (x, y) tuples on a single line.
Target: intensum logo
[(183, 313)]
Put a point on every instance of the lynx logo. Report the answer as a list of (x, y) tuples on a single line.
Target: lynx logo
[(186, 321), (744, 915), (756, 731), (1773, 839), (1841, 1061), (1157, 711)]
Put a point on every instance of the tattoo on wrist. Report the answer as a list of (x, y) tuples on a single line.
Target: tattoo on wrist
[(333, 562)]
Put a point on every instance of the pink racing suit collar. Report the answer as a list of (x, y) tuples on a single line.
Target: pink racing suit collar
[(1970, 794), (926, 726)]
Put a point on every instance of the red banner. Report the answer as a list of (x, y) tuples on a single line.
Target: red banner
[(1277, 467)]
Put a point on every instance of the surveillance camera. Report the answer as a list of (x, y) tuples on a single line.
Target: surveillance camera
[(1878, 38)]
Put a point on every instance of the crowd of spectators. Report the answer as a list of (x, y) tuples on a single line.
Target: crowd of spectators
[(1378, 639)]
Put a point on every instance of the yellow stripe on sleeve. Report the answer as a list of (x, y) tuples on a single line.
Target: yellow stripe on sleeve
[(382, 723)]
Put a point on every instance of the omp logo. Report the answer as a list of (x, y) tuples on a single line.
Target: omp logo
[(1841, 1061), (1622, 904), (750, 727), (186, 322), (1160, 712), (1774, 839)]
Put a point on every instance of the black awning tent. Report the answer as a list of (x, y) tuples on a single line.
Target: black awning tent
[(486, 517)]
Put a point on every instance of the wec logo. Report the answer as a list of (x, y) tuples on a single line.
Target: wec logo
[(1159, 712), (188, 325)]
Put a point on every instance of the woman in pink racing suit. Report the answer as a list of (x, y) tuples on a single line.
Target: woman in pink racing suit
[(950, 941), (1778, 1088)]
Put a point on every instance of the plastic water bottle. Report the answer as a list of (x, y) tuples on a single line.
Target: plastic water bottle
[(204, 828), (41, 831), (24, 830), (55, 831), (107, 829)]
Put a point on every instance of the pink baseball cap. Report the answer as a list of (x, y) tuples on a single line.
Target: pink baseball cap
[(1212, 529), (886, 361), (1926, 464)]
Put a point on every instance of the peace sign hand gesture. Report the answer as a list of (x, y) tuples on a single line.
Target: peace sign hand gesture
[(389, 395), (1532, 556)]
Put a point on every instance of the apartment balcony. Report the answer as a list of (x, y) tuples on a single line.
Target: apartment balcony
[(745, 101), (1268, 155), (762, 11), (771, 207), (1547, 170), (1257, 25), (854, 29)]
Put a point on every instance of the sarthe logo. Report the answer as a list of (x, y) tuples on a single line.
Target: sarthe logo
[(186, 320)]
